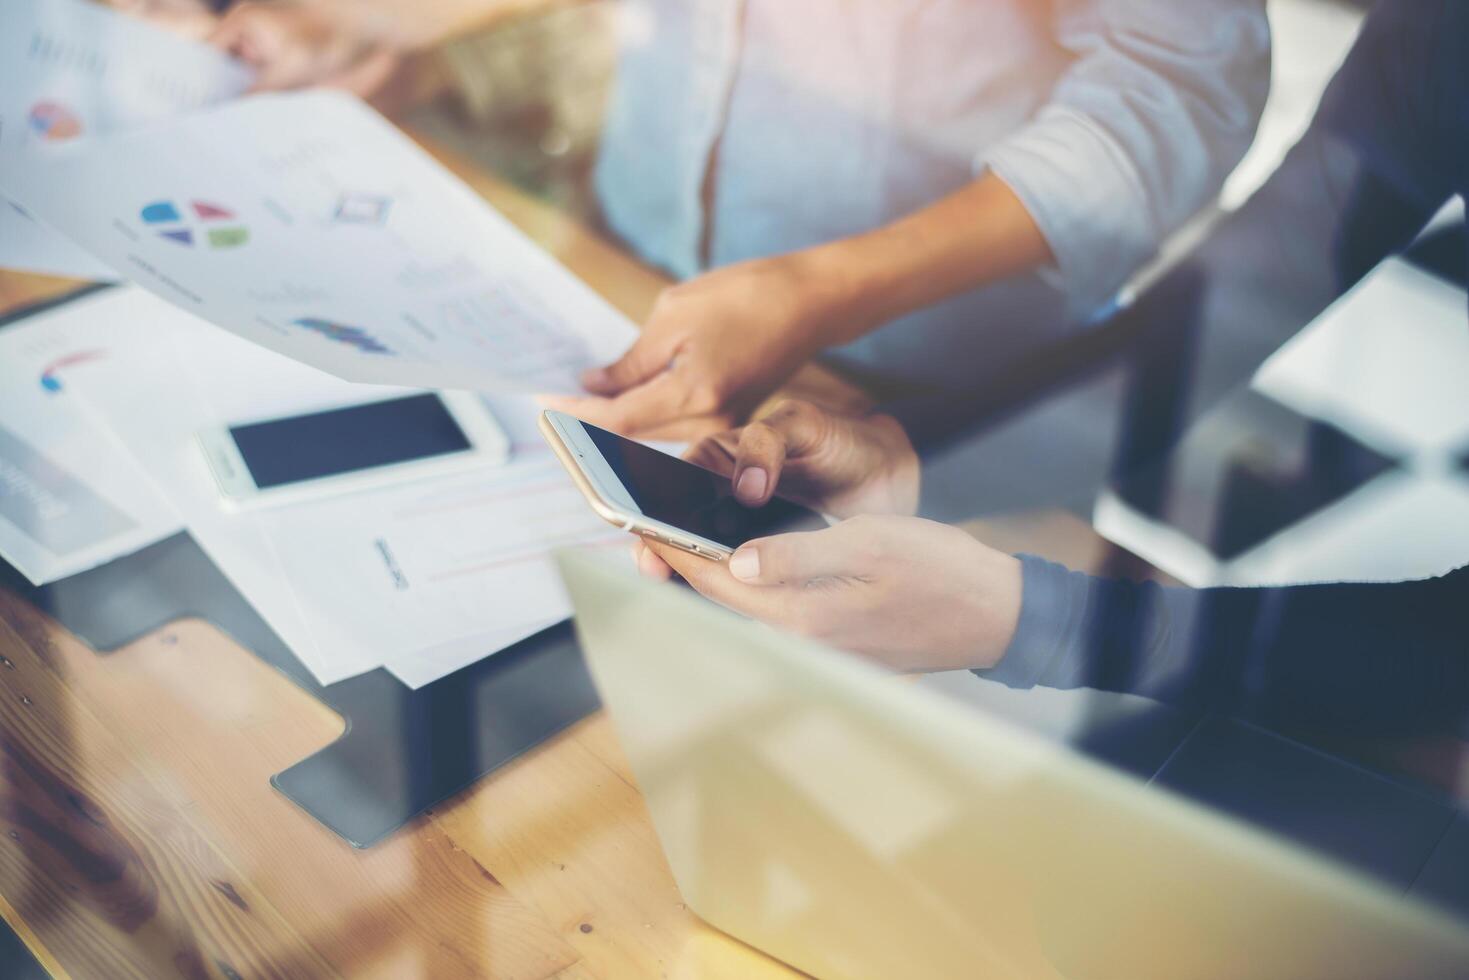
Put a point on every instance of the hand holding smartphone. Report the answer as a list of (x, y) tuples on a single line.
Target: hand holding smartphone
[(663, 497)]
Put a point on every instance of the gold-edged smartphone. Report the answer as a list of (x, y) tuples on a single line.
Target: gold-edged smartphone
[(662, 497)]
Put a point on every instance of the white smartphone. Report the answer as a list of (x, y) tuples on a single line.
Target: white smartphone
[(355, 447), (663, 497)]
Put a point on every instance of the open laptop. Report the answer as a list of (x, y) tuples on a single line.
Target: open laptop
[(852, 825)]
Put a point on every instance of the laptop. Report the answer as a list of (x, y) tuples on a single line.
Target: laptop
[(852, 824)]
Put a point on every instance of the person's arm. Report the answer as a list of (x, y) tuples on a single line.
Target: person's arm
[(1160, 104), (424, 23), (922, 596), (1161, 101), (738, 332), (355, 45), (1371, 659), (404, 26), (1139, 133), (1375, 658), (1389, 655)]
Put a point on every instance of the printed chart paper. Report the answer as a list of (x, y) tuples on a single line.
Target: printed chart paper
[(71, 70), (421, 578), (435, 575), (70, 497), (152, 397), (306, 223)]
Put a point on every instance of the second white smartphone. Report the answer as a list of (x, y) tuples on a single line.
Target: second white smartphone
[(355, 447)]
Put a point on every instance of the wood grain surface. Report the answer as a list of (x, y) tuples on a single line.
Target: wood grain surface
[(143, 839)]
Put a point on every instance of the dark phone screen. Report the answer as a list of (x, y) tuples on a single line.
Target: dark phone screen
[(345, 440), (692, 498)]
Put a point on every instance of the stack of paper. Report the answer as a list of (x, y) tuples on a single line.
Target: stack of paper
[(338, 258), (308, 224), (70, 497), (70, 69), (422, 578)]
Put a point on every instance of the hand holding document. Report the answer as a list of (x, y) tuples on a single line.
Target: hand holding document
[(309, 225), (70, 69)]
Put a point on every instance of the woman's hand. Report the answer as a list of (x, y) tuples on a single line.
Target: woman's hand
[(912, 594), (292, 45), (837, 464), (713, 348), (834, 463), (716, 346), (191, 18)]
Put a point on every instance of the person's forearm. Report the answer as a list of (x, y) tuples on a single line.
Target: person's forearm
[(413, 27), (977, 235), (1381, 657)]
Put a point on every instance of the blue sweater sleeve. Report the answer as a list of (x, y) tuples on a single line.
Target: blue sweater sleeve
[(1370, 658), (1375, 658)]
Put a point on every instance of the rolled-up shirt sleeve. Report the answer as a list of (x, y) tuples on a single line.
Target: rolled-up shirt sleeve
[(1160, 104)]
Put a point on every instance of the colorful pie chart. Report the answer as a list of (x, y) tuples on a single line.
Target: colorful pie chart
[(200, 223), (53, 121)]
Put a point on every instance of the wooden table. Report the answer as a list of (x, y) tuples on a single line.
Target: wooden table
[(142, 837)]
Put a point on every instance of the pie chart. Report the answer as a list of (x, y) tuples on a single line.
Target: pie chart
[(198, 223), (53, 121)]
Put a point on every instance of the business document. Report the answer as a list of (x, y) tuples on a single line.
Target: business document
[(72, 70), (308, 224)]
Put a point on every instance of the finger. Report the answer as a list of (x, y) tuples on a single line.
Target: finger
[(650, 406), (367, 75), (713, 580), (649, 564), (760, 456), (802, 557), (268, 41), (195, 25), (647, 357), (792, 429), (228, 33), (699, 572), (716, 452), (804, 427), (687, 429), (248, 35), (280, 64)]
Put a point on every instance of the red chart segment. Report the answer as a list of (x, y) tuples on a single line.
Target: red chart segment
[(211, 212)]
